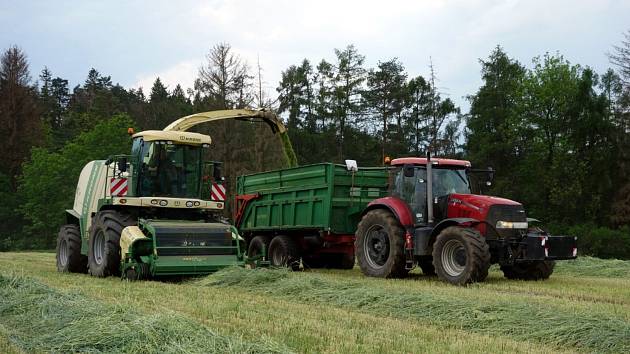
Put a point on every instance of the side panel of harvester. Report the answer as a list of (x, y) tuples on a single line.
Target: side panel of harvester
[(318, 205)]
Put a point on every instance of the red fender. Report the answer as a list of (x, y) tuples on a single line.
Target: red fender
[(397, 206)]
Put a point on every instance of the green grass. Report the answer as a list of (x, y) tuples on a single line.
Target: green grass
[(595, 267), (335, 311), (42, 318), (597, 330)]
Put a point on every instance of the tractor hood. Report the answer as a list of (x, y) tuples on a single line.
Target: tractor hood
[(477, 201), (506, 216)]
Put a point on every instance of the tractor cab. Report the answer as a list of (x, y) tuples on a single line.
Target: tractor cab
[(168, 164), (410, 183)]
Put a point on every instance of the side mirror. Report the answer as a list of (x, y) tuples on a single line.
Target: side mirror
[(216, 171), (122, 164), (351, 165), (490, 177), (408, 171)]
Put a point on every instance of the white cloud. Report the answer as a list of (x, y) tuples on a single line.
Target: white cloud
[(135, 43)]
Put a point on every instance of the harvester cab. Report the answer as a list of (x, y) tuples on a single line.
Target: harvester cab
[(433, 219), (157, 211)]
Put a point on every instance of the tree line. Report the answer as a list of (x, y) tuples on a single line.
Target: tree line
[(556, 132)]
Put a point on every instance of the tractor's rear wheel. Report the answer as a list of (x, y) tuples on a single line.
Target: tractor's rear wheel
[(535, 270), (284, 252), (104, 245), (461, 256), (379, 245), (69, 257)]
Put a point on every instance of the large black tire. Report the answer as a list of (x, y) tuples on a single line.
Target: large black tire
[(104, 245), (535, 270), (69, 257), (256, 246), (426, 264), (379, 245), (461, 256), (284, 252)]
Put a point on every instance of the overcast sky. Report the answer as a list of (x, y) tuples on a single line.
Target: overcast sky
[(136, 41)]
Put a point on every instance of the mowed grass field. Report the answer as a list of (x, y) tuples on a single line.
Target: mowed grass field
[(584, 307)]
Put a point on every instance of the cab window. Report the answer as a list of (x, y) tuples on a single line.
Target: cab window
[(413, 190)]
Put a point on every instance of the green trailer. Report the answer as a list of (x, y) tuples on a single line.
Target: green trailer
[(308, 212)]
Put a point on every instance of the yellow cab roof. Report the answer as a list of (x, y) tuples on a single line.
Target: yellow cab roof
[(176, 137)]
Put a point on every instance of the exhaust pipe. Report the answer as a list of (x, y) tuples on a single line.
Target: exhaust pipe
[(429, 189)]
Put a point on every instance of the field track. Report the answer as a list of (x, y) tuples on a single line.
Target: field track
[(584, 307)]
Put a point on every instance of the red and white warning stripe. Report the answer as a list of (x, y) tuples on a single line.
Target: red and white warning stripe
[(118, 187), (217, 192)]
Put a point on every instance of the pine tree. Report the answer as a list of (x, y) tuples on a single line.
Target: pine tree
[(348, 80), (224, 79), (385, 94), (20, 124), (419, 107)]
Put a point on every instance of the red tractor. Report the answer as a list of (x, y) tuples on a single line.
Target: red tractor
[(432, 219)]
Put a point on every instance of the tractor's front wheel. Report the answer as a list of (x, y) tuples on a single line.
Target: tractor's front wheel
[(380, 246), (535, 270), (104, 245), (461, 256), (69, 257)]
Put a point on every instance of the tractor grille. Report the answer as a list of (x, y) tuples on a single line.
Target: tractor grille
[(506, 213), (193, 241)]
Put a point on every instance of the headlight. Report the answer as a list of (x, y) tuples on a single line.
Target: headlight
[(511, 225)]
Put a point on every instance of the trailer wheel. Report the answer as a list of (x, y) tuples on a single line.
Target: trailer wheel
[(536, 270), (380, 245), (69, 257), (461, 256), (256, 246), (283, 252), (104, 245)]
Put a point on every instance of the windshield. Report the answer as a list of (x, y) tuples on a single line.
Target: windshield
[(169, 170), (447, 181)]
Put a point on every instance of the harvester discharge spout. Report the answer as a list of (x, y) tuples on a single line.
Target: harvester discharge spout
[(267, 116)]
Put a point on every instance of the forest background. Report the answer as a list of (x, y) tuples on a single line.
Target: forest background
[(558, 133)]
